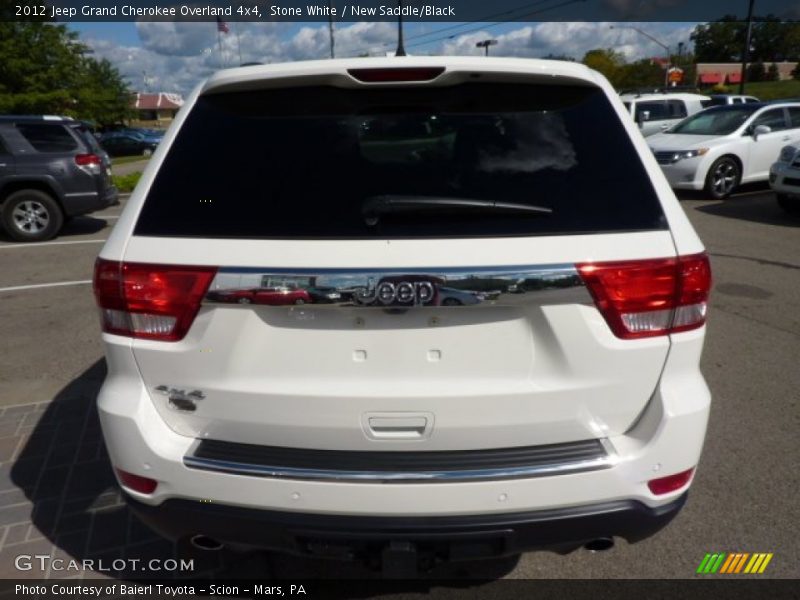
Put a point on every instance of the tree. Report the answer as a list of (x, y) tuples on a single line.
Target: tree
[(640, 74), (605, 60), (771, 40), (772, 73), (45, 69)]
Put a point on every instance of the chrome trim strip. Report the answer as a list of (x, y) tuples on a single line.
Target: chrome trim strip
[(399, 288), (236, 468)]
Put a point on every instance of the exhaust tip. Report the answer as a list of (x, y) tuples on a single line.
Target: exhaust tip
[(203, 542), (600, 544)]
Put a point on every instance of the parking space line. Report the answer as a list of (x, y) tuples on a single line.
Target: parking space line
[(40, 244), (44, 285)]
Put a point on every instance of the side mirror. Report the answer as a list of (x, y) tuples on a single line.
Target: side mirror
[(642, 116), (761, 130)]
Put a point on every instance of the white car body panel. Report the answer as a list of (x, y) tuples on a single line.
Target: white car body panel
[(290, 378)]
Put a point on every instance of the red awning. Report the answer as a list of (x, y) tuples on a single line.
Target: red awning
[(734, 77), (710, 78)]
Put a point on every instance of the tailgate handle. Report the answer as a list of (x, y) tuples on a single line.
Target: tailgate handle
[(401, 426)]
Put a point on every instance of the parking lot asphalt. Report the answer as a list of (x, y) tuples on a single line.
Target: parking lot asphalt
[(57, 493)]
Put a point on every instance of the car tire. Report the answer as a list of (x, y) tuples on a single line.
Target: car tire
[(723, 178), (31, 216), (451, 302), (243, 301), (299, 301), (789, 204)]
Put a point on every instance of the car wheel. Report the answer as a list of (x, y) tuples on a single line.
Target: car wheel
[(243, 300), (791, 204), (723, 177), (147, 152), (451, 302), (31, 216), (299, 301)]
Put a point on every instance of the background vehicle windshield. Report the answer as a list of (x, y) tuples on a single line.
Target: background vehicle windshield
[(300, 162), (715, 121)]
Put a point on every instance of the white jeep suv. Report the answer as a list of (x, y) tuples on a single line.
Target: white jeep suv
[(562, 406)]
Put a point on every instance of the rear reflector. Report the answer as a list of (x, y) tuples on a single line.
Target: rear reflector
[(143, 485), (157, 302), (670, 483), (397, 74), (645, 298)]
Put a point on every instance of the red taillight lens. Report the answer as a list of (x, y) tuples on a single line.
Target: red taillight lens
[(396, 74), (143, 485), (88, 160), (156, 302), (670, 483), (644, 298)]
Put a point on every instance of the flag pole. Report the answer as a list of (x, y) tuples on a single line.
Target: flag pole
[(219, 41), (238, 43)]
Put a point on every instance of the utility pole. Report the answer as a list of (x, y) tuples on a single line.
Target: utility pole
[(485, 45), (330, 26), (746, 49), (401, 51)]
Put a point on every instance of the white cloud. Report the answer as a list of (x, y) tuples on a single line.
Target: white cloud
[(176, 56), (574, 39)]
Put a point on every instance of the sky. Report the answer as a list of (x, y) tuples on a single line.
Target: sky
[(175, 56)]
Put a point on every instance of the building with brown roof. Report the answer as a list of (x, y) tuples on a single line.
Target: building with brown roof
[(160, 107), (729, 73)]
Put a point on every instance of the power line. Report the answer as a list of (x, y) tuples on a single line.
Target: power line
[(485, 18), (490, 25)]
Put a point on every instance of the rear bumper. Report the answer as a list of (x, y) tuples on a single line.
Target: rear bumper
[(452, 537)]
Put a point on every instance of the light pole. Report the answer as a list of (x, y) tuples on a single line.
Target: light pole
[(485, 45), (654, 40)]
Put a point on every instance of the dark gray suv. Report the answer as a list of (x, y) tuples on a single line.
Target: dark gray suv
[(51, 169)]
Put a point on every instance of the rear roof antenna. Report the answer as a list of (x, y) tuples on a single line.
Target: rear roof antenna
[(400, 50)]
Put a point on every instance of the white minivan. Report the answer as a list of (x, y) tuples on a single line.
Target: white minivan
[(561, 405)]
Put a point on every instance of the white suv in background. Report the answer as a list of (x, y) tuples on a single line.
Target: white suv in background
[(654, 113), (562, 405)]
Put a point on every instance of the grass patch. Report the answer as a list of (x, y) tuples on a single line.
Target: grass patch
[(126, 183), (121, 160)]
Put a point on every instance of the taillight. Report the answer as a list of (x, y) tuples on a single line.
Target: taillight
[(89, 162), (645, 298), (157, 302), (396, 74), (670, 483), (143, 485)]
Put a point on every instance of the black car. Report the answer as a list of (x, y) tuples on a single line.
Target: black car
[(128, 143), (51, 169)]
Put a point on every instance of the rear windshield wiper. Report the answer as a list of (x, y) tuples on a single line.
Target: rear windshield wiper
[(375, 206)]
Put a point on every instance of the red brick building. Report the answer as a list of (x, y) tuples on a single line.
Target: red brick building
[(730, 73)]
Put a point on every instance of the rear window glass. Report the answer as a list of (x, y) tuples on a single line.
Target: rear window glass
[(304, 162), (47, 138)]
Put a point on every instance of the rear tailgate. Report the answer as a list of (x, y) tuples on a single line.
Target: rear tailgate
[(278, 205)]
